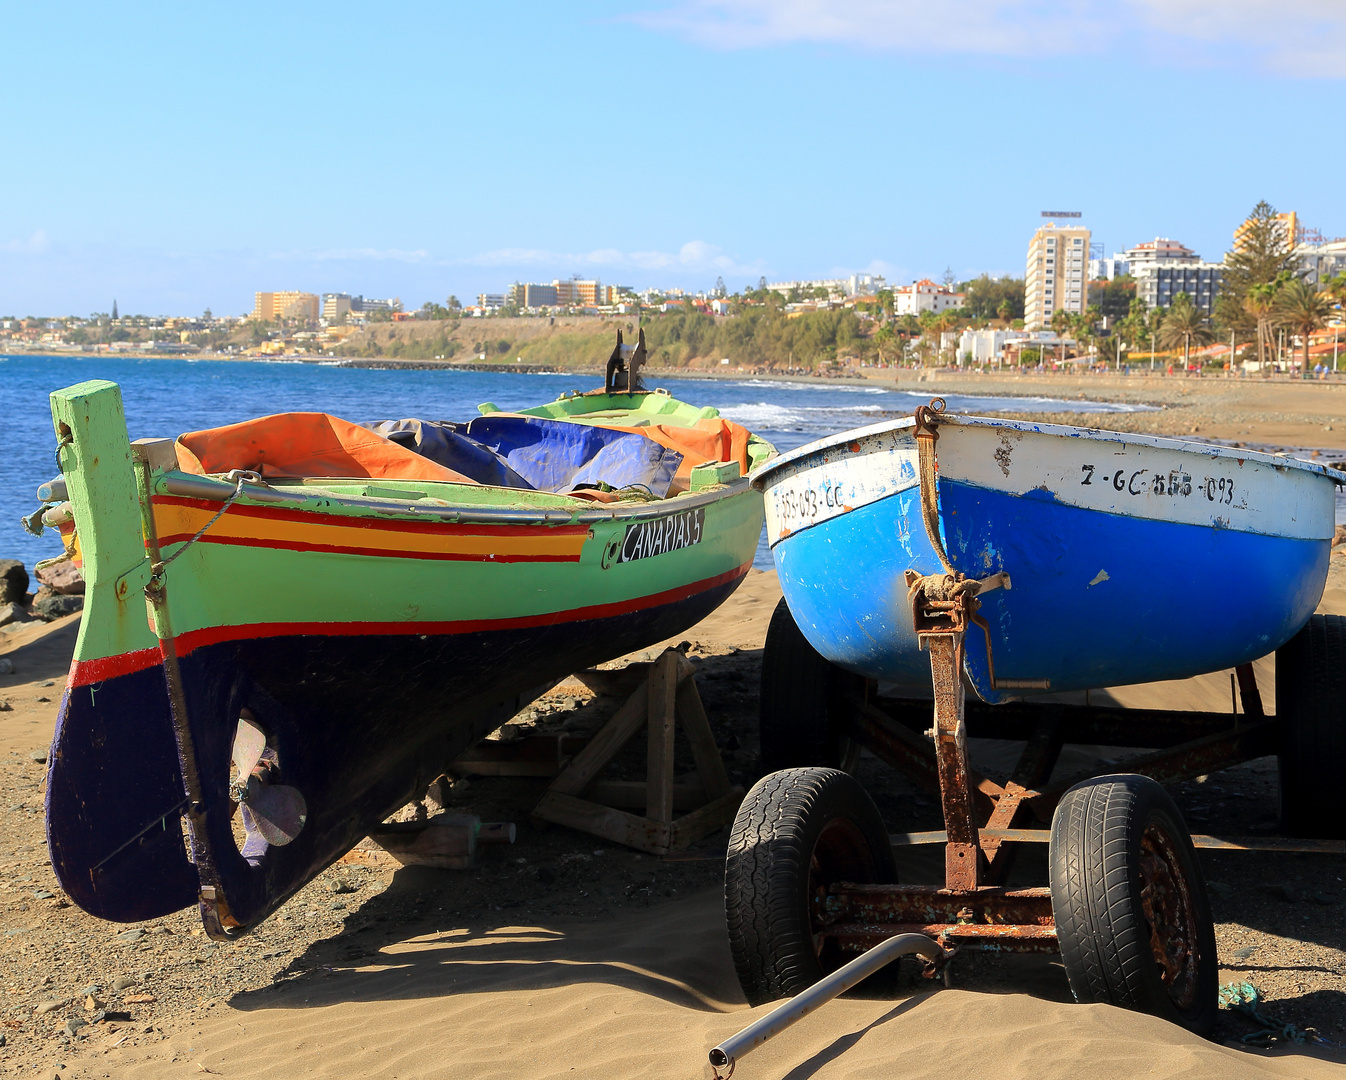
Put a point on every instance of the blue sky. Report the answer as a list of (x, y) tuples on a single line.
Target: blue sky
[(178, 157)]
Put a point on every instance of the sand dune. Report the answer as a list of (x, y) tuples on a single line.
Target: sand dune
[(647, 996)]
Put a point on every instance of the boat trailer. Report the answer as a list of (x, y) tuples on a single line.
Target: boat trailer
[(875, 924), (1127, 906)]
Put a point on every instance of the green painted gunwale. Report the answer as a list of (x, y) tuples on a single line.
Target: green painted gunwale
[(221, 585)]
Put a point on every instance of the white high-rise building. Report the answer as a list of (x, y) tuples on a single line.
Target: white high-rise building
[(1055, 280)]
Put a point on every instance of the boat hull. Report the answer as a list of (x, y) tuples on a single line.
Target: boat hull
[(372, 632), (1109, 587)]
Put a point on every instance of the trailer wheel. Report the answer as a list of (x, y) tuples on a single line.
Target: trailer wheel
[(1130, 903), (797, 832), (802, 702), (1311, 711)]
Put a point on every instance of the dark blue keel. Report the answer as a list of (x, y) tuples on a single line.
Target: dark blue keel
[(358, 723)]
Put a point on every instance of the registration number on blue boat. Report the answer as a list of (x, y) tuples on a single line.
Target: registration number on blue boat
[(646, 539)]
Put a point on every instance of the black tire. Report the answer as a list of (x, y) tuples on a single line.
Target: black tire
[(803, 702), (1311, 713), (797, 832), (1119, 846)]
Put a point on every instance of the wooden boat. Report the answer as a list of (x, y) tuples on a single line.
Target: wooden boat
[(319, 647), (941, 552), (1129, 558)]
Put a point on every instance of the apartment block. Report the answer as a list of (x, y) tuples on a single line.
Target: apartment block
[(1058, 258), (269, 306), (1320, 261), (1158, 283), (1160, 249), (368, 307), (1286, 224), (335, 305)]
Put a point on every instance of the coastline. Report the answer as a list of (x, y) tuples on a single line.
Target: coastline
[(1281, 412)]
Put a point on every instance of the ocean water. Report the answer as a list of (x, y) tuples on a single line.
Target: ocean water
[(165, 397)]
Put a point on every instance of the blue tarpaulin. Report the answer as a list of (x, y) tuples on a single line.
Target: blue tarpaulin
[(545, 455)]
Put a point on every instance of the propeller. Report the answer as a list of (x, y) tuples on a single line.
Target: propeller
[(277, 811)]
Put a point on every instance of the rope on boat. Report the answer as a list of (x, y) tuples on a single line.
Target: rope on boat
[(240, 477), (948, 598), (1245, 999), (65, 440), (927, 434)]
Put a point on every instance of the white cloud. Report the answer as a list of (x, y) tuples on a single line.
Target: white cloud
[(353, 255), (695, 255), (1293, 37), (999, 27), (34, 245)]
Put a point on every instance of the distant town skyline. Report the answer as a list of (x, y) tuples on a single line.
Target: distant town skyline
[(186, 162)]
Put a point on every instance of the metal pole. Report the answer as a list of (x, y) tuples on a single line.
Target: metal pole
[(824, 990)]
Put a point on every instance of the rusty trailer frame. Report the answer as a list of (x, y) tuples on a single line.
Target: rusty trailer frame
[(986, 821)]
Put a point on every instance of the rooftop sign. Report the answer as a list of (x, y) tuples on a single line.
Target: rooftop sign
[(1061, 213)]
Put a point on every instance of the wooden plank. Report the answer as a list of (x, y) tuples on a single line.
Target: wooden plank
[(690, 828), (533, 755), (448, 844), (709, 763), (605, 821), (630, 794), (604, 746), (663, 688), (616, 682)]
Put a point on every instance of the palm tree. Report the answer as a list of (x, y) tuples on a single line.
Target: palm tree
[(1260, 302), (943, 323), (1005, 310), (1185, 323), (883, 336), (1303, 309)]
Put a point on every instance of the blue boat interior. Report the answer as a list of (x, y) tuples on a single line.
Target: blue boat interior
[(539, 454)]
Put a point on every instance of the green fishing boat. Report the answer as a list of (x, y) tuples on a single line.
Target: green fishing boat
[(306, 620)]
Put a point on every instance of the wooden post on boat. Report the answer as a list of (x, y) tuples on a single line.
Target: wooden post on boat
[(666, 698)]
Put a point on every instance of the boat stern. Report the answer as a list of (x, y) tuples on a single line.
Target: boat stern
[(114, 789)]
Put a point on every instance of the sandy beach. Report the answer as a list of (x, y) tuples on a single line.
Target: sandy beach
[(566, 956)]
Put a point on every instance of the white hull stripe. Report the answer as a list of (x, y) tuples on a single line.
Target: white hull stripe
[(1108, 472)]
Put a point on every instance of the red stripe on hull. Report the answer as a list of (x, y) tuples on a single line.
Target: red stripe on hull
[(401, 525), (85, 672), (336, 549)]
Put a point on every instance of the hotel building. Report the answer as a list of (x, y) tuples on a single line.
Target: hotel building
[(1058, 260), (269, 306)]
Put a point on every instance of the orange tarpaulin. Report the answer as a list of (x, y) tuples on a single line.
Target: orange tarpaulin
[(715, 439), (305, 444)]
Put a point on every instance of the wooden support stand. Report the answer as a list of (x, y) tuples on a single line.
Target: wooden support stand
[(446, 841), (667, 697)]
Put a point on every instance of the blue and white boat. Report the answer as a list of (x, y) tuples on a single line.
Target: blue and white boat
[(1130, 558)]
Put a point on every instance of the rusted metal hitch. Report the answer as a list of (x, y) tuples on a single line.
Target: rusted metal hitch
[(942, 606), (860, 916)]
